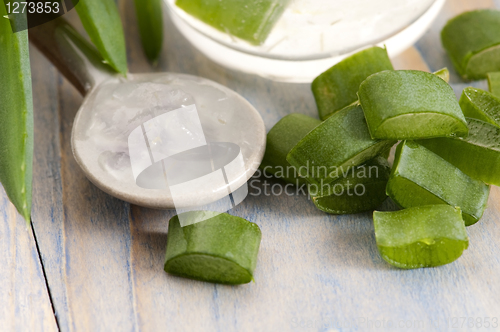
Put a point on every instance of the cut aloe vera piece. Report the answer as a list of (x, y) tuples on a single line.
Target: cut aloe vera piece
[(222, 249), (423, 236), (481, 105), (280, 140), (420, 177), (478, 155), (337, 144), (444, 74), (250, 20), (494, 83), (473, 42), (361, 189), (337, 87), (410, 104)]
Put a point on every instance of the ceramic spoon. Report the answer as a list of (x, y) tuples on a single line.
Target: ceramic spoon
[(135, 137)]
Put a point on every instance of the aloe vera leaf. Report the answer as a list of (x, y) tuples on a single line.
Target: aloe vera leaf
[(101, 20), (478, 155), (362, 189), (150, 20), (280, 140), (443, 73), (222, 249), (250, 20), (410, 104), (420, 177), (16, 116), (423, 236), (472, 42), (338, 143), (338, 86), (481, 105), (494, 83)]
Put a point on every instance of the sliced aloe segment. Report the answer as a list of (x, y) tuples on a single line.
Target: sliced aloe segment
[(444, 74), (494, 83), (340, 142), (473, 42), (420, 177), (337, 87), (423, 236), (360, 189), (280, 140), (481, 105), (101, 20), (478, 155), (222, 249), (410, 104), (250, 20)]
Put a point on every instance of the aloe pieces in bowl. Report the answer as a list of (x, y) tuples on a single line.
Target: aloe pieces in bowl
[(250, 20)]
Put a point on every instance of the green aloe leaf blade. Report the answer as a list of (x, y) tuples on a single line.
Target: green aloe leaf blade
[(150, 20), (16, 116), (424, 236), (101, 20)]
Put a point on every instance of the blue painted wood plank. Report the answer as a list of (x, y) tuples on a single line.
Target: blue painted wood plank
[(25, 302)]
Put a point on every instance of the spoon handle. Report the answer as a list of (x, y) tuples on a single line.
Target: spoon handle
[(73, 55)]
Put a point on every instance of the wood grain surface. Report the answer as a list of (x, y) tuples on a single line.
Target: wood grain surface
[(103, 258)]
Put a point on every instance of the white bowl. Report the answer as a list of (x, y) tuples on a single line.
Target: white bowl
[(397, 31)]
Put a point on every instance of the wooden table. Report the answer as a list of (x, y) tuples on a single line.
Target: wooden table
[(90, 262)]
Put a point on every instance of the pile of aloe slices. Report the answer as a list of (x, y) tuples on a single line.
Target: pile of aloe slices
[(448, 154)]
